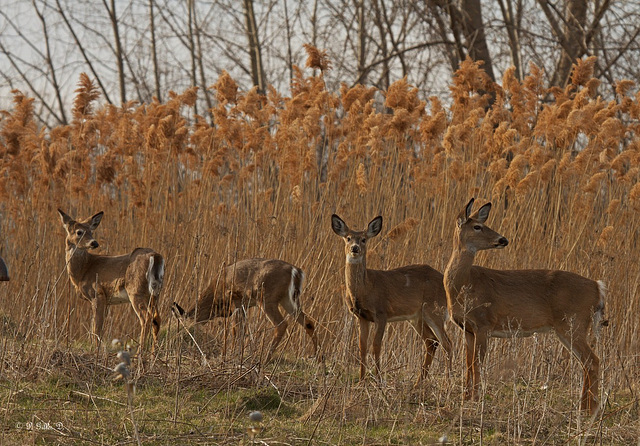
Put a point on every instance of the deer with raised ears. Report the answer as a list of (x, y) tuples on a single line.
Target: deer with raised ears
[(411, 293), (104, 280), (517, 303), (268, 284)]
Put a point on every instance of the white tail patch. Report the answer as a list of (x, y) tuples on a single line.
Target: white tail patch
[(293, 297), (155, 276), (598, 314)]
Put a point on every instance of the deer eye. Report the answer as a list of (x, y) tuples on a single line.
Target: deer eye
[(79, 232), (348, 238), (364, 240), (477, 228)]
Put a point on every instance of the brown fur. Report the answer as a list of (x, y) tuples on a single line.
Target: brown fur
[(4, 272), (256, 282), (411, 293), (487, 302), (112, 280)]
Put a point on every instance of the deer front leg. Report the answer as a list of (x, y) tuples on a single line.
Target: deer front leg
[(381, 324), (470, 341), (476, 344), (98, 310), (364, 339)]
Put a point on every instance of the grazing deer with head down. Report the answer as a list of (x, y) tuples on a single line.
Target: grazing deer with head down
[(411, 293), (486, 302), (104, 280), (4, 272), (268, 284)]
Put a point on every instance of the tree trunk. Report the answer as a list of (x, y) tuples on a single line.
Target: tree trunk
[(154, 52), (257, 70), (513, 26), (362, 43), (474, 34), (113, 17)]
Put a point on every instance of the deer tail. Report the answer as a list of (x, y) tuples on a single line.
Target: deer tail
[(295, 287), (155, 274), (598, 314)]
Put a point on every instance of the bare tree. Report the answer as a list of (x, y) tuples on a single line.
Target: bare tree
[(154, 51), (255, 51), (113, 18)]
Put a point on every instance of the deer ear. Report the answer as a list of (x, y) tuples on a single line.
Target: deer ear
[(375, 226), (66, 220), (483, 213), (467, 209), (339, 226), (464, 215), (94, 221)]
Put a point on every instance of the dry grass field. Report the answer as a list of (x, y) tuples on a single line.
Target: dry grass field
[(560, 166)]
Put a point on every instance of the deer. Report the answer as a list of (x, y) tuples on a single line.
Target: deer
[(266, 283), (413, 293), (4, 272), (105, 280), (518, 303)]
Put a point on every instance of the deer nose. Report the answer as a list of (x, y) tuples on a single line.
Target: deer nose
[(94, 244), (355, 249), (502, 241)]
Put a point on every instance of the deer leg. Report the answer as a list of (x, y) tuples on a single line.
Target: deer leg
[(238, 319), (476, 347), (146, 309), (480, 350), (99, 311), (591, 367), (437, 327), (470, 341), (381, 324), (364, 339), (155, 321), (276, 318), (305, 322), (431, 346)]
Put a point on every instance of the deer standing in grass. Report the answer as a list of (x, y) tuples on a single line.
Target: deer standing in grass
[(268, 284), (411, 293), (517, 303), (104, 280)]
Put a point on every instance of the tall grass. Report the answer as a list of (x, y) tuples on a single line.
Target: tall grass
[(560, 165)]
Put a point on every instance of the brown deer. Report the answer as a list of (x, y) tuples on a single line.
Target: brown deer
[(104, 280), (4, 272), (411, 293), (268, 284), (517, 303)]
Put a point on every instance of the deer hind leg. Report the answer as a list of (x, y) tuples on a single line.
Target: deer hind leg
[(273, 314), (431, 346), (590, 365), (155, 320), (141, 306), (305, 322)]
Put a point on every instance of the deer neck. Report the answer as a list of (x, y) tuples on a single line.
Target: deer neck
[(355, 275), (357, 285), (458, 271), (78, 260)]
